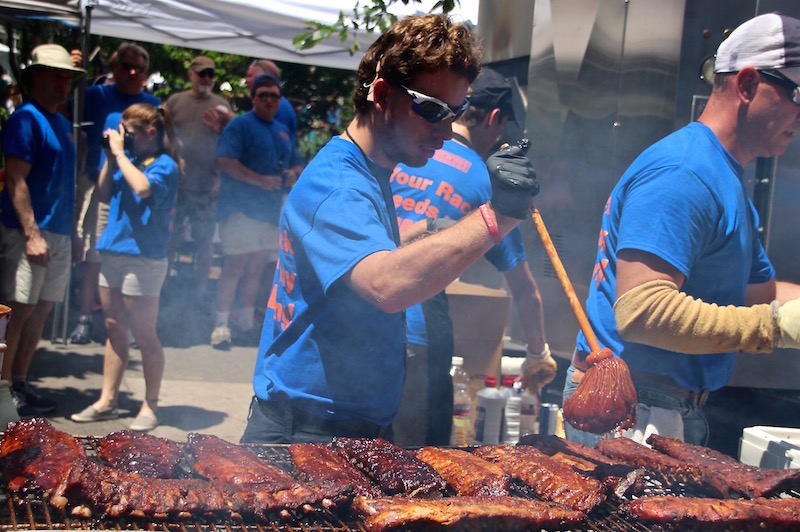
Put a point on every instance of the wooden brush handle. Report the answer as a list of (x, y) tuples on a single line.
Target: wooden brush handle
[(577, 309)]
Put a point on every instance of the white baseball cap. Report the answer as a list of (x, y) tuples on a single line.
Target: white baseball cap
[(766, 42)]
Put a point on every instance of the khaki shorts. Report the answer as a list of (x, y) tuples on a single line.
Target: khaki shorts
[(240, 234), (201, 211), (92, 218), (28, 283), (135, 275)]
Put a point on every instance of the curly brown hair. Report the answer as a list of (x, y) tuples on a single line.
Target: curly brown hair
[(416, 44)]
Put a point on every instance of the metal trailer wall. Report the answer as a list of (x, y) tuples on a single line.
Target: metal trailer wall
[(603, 80)]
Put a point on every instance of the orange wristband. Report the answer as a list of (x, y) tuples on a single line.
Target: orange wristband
[(487, 217)]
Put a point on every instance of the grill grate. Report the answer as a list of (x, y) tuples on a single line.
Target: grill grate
[(33, 514)]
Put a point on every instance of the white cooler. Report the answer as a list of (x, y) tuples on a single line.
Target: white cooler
[(770, 447)]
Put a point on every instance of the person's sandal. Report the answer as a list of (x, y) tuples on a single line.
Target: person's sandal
[(90, 414), (144, 423)]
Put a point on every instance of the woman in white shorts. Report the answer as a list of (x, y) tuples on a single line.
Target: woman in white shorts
[(140, 181)]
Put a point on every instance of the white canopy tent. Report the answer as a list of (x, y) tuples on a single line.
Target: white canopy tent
[(254, 28)]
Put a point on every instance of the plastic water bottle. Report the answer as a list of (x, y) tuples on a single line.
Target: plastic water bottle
[(489, 407), (529, 413), (511, 391), (461, 435)]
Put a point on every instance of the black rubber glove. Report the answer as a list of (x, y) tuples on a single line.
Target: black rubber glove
[(513, 182)]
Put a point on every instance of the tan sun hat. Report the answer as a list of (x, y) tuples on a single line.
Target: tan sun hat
[(53, 56)]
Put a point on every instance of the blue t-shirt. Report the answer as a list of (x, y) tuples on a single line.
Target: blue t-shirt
[(452, 183), (98, 103), (682, 200), (263, 147), (45, 141), (287, 116), (143, 226), (324, 348)]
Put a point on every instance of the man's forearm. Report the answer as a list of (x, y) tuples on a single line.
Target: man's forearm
[(20, 195)]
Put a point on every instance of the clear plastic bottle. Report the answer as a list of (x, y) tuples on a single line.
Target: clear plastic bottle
[(461, 435), (511, 391), (489, 405), (529, 413)]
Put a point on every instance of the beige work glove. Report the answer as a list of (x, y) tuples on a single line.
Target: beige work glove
[(538, 370), (789, 323)]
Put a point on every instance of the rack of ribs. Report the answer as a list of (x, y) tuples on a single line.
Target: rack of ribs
[(34, 456), (465, 473), (395, 470), (220, 460), (318, 465), (550, 480), (463, 514), (703, 514), (747, 480), (639, 455), (621, 479), (142, 453)]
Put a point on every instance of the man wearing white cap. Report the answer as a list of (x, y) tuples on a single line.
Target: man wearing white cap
[(37, 208), (682, 283)]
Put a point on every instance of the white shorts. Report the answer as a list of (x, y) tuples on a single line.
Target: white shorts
[(28, 283), (240, 234), (135, 275)]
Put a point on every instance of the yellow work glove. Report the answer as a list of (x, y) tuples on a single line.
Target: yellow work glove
[(538, 370), (789, 323)]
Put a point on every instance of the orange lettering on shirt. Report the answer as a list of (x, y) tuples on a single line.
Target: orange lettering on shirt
[(285, 243), (281, 314), (607, 210), (287, 279), (599, 272), (445, 157), (601, 242)]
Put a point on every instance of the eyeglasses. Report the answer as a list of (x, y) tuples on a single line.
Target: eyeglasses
[(794, 90), (268, 96), (207, 73), (433, 109), (127, 67)]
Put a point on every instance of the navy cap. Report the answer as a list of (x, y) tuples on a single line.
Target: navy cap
[(264, 80), (490, 90)]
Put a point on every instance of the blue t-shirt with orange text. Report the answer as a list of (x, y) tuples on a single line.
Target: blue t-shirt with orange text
[(451, 184), (325, 349)]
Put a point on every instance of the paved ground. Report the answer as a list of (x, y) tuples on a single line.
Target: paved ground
[(204, 390)]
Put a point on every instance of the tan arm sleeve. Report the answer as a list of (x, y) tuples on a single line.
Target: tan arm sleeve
[(656, 313)]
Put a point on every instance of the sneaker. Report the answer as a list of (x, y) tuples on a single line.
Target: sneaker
[(82, 334), (28, 403), (144, 423), (90, 413), (221, 338)]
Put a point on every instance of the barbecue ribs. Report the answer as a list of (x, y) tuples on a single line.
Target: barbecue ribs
[(465, 473), (703, 514), (463, 514), (394, 469), (669, 468), (34, 455), (220, 460), (142, 453), (551, 480), (747, 480), (318, 465), (621, 479)]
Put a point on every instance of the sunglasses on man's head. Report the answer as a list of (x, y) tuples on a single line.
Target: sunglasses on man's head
[(127, 67), (268, 96), (207, 73), (794, 90), (433, 109)]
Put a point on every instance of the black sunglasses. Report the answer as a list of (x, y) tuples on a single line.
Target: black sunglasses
[(136, 68), (268, 96), (433, 109), (794, 90), (207, 73)]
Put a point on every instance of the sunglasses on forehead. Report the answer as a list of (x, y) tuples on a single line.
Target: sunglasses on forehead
[(433, 109), (794, 90)]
